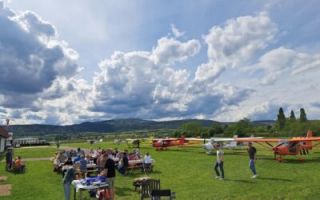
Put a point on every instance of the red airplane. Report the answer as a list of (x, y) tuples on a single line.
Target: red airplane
[(163, 143), (294, 146)]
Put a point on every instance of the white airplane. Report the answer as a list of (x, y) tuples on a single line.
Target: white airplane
[(226, 143)]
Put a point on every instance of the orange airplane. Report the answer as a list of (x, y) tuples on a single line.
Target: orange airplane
[(293, 146)]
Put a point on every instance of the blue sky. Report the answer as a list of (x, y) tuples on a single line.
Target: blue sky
[(66, 62)]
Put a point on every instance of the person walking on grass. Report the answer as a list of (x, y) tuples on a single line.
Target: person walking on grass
[(219, 163), (252, 156), (110, 173), (67, 179)]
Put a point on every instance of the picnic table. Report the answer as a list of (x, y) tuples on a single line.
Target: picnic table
[(80, 186)]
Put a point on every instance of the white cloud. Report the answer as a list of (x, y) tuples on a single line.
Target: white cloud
[(141, 84), (234, 44), (282, 61), (176, 32), (39, 79), (38, 72), (169, 50)]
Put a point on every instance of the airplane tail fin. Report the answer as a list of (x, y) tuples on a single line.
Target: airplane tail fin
[(309, 133)]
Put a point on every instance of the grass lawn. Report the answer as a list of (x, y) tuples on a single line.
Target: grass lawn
[(188, 171), (37, 152)]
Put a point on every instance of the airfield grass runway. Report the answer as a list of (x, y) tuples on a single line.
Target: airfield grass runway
[(188, 171)]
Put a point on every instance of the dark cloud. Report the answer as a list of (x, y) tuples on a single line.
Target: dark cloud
[(31, 58)]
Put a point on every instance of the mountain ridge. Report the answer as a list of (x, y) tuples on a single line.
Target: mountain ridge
[(113, 125)]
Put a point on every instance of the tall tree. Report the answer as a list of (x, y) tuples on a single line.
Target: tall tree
[(303, 115), (292, 116), (281, 119), (192, 128)]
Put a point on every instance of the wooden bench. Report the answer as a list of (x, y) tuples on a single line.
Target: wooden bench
[(134, 167)]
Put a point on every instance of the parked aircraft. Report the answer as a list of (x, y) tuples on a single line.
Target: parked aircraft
[(226, 143), (294, 146), (164, 143)]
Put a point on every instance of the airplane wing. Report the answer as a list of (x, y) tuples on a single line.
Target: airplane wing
[(165, 139), (305, 139), (257, 140), (203, 140), (249, 139), (264, 142), (210, 139), (196, 140), (222, 139)]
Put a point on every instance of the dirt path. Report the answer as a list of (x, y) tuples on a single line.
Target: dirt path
[(5, 190)]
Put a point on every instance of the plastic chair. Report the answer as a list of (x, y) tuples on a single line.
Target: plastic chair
[(148, 186)]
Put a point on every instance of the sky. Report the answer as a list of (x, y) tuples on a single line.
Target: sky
[(65, 62)]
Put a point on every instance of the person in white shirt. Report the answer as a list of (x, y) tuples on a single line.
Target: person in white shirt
[(147, 162), (219, 163)]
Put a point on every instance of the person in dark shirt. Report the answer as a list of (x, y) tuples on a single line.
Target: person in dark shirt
[(110, 173), (252, 156), (69, 161), (65, 166), (68, 177), (124, 164), (9, 159)]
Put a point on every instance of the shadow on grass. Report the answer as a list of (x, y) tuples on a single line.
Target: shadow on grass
[(297, 161), (259, 178), (242, 153), (240, 181), (266, 158), (275, 179), (139, 173)]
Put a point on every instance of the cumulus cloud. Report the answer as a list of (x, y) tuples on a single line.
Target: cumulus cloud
[(38, 72), (170, 50), (132, 83), (142, 84), (234, 44), (28, 65), (39, 80), (282, 61)]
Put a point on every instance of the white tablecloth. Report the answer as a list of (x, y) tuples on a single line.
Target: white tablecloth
[(78, 185)]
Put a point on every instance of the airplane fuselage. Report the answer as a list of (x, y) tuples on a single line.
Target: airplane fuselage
[(292, 148)]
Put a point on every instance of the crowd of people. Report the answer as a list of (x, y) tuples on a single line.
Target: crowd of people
[(74, 164)]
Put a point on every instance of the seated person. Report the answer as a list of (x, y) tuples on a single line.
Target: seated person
[(137, 152), (18, 164), (80, 152), (147, 162)]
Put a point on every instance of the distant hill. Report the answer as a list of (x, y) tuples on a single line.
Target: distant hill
[(111, 126)]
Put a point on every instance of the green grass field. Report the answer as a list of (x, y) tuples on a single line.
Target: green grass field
[(188, 171)]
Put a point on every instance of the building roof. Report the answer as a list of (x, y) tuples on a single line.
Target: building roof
[(4, 133)]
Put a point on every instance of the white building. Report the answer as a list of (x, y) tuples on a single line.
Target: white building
[(28, 141)]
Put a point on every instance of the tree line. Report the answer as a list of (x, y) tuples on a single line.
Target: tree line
[(282, 127)]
